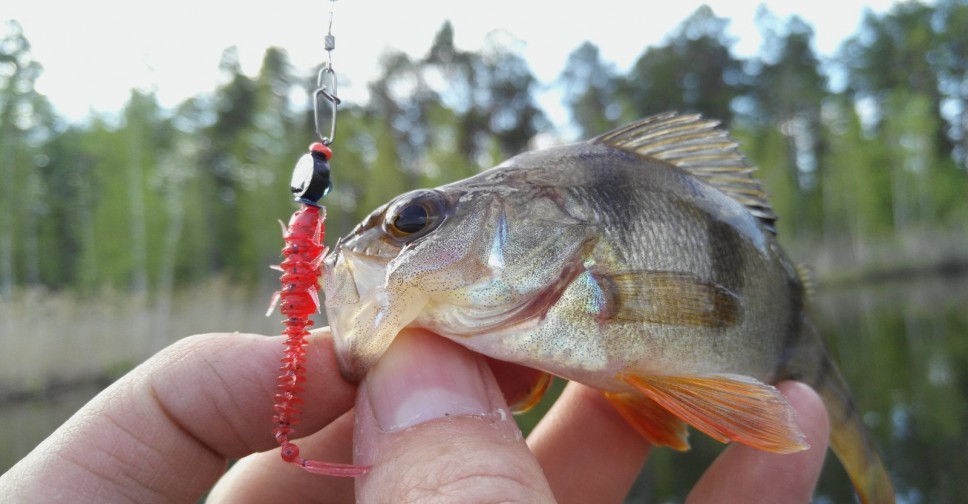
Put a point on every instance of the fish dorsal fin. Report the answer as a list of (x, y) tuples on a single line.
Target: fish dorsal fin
[(700, 147)]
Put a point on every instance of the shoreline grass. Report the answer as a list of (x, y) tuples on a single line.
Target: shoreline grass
[(53, 339)]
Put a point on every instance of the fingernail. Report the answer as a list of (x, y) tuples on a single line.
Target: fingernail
[(425, 377)]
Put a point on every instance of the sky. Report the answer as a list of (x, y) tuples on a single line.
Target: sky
[(94, 52)]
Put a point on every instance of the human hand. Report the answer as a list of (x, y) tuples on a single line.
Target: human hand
[(165, 431), (432, 423)]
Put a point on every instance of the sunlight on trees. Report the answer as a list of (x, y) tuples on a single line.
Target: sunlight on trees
[(862, 147)]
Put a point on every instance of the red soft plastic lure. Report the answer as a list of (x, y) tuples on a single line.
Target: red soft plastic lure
[(299, 298)]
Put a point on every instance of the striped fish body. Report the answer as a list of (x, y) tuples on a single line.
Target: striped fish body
[(642, 263)]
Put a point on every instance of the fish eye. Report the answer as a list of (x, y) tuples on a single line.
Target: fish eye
[(414, 215), (411, 219)]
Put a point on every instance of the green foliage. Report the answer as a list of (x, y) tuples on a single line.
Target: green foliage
[(25, 122), (857, 192), (693, 72), (591, 90), (864, 146)]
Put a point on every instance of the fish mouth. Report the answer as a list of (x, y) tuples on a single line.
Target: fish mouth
[(364, 312)]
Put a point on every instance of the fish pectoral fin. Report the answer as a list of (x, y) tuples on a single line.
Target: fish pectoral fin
[(656, 424), (523, 387), (533, 396), (668, 297), (727, 407)]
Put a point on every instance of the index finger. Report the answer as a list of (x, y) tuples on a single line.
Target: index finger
[(589, 453), (745, 474), (163, 432)]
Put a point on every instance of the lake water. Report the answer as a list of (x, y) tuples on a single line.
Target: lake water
[(902, 346)]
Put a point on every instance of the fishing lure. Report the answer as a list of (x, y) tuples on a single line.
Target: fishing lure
[(302, 257), (299, 298)]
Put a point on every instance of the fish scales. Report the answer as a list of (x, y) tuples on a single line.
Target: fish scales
[(642, 263), (650, 223)]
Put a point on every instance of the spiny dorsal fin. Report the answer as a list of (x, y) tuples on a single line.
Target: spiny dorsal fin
[(699, 147)]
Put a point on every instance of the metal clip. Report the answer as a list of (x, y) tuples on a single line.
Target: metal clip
[(330, 96)]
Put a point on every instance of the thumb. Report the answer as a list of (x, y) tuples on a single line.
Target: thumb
[(434, 426)]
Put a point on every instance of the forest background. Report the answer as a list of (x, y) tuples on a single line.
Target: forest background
[(865, 154)]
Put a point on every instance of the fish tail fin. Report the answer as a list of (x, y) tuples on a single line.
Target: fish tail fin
[(810, 363), (849, 439)]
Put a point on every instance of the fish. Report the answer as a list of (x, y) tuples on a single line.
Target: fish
[(643, 263)]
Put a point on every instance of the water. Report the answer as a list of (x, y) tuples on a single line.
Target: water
[(903, 348), (25, 424), (64, 348)]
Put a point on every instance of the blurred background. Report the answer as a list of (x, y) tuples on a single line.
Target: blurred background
[(145, 215)]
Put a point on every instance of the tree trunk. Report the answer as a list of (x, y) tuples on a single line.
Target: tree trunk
[(7, 273), (169, 249), (139, 274), (8, 196)]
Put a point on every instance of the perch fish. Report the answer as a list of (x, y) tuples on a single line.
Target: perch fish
[(642, 263)]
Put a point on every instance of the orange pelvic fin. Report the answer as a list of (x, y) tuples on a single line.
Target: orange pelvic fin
[(654, 422), (537, 390), (728, 408), (523, 387)]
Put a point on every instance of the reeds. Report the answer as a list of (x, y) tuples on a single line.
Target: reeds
[(50, 339)]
